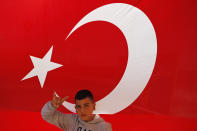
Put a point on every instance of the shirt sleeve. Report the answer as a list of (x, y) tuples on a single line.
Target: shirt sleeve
[(108, 127), (51, 115)]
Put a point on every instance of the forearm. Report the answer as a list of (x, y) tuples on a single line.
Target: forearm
[(51, 115), (48, 112)]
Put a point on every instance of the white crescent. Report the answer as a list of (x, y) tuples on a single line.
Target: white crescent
[(142, 50)]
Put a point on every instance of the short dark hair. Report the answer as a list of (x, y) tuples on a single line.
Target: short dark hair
[(83, 94)]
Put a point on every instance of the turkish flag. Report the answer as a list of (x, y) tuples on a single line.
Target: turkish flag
[(95, 57)]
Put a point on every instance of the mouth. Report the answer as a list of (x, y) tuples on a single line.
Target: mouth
[(83, 115)]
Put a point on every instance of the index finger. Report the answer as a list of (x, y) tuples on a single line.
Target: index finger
[(63, 99)]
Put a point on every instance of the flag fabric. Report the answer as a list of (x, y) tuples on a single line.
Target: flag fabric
[(95, 57)]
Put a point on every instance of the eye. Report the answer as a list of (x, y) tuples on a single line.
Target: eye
[(78, 107), (86, 105)]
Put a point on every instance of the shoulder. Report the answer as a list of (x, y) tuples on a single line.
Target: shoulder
[(106, 125)]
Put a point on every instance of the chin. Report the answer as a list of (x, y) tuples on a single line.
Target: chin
[(84, 119)]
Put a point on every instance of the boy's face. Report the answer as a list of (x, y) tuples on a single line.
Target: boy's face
[(85, 108)]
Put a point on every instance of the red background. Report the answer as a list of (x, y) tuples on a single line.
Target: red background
[(94, 57)]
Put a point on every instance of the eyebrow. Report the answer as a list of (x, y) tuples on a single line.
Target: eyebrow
[(84, 104)]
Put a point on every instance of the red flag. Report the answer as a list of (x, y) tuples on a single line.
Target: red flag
[(95, 57)]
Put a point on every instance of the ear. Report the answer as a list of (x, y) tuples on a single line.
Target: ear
[(75, 108)]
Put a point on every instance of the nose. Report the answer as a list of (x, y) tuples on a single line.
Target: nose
[(82, 110)]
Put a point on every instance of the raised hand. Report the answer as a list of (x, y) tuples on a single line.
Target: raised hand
[(57, 101)]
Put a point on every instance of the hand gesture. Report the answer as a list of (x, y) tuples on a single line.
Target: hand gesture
[(57, 101)]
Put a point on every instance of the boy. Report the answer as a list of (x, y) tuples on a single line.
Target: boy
[(84, 120)]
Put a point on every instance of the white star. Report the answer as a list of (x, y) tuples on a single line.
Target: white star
[(41, 67)]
